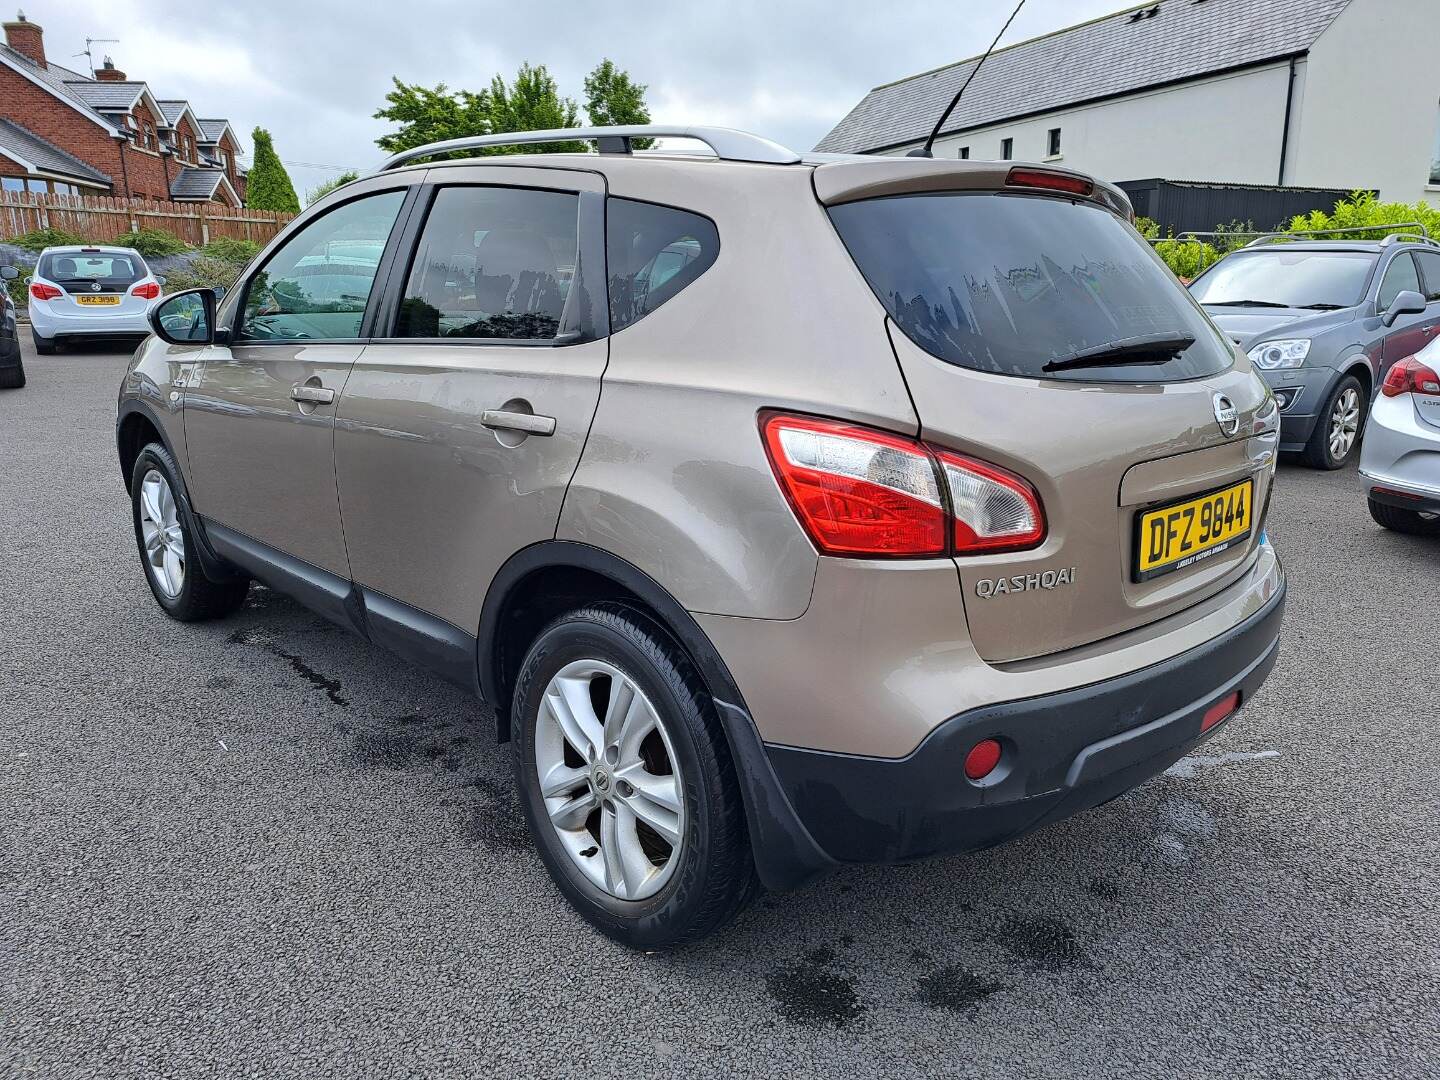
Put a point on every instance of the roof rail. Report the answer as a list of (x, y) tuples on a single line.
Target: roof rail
[(727, 144), (1422, 236)]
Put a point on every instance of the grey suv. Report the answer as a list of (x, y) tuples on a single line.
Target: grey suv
[(1323, 321), (788, 512)]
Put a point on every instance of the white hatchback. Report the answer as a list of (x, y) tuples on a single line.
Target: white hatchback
[(1400, 457), (90, 291)]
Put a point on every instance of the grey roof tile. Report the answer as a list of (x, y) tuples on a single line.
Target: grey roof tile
[(173, 110), (196, 183), (60, 85), (1185, 39), (106, 95), (43, 155), (211, 130)]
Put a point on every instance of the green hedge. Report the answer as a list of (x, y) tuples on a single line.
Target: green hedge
[(40, 239), (1362, 209), (152, 243)]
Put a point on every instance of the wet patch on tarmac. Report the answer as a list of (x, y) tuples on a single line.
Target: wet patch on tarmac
[(955, 989), (1046, 943), (811, 993)]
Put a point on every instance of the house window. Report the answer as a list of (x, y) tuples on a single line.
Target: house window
[(11, 183), (1007, 149), (964, 153), (1435, 160), (1053, 143), (38, 185)]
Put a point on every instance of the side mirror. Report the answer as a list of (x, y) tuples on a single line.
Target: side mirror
[(1408, 302), (187, 318), (159, 280), (8, 273)]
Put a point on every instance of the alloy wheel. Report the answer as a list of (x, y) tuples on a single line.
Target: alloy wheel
[(1344, 423), (160, 530), (609, 780)]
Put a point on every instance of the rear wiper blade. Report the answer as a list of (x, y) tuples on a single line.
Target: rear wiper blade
[(1151, 349), (1243, 303)]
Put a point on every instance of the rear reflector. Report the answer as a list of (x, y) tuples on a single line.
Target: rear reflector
[(1221, 710), (858, 491), (982, 759), (1394, 494), (1050, 181)]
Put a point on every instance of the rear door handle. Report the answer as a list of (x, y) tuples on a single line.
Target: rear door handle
[(530, 423), (312, 395)]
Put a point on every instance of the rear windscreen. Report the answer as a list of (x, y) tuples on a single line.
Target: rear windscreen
[(1012, 283), (80, 268)]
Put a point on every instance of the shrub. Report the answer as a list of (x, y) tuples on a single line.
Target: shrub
[(1186, 258), (19, 291), (1362, 209), (268, 186), (40, 239), (1149, 228), (203, 272), (231, 250), (152, 243)]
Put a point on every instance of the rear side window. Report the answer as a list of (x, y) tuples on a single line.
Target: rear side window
[(1400, 276), (652, 253), (80, 268), (493, 263), (1012, 283)]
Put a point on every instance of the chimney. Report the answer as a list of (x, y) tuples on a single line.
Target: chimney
[(108, 72), (26, 38)]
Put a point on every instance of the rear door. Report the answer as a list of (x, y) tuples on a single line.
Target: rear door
[(988, 291), (260, 414), (463, 421)]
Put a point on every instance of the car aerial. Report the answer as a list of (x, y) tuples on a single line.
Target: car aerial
[(89, 291), (788, 511), (12, 368), (1322, 321), (1400, 458)]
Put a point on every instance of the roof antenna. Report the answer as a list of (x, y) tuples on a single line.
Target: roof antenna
[(90, 43), (924, 151)]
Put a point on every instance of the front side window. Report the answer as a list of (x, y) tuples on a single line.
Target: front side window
[(492, 263), (1430, 267), (652, 253), (318, 283), (1020, 285), (1399, 277), (1284, 277)]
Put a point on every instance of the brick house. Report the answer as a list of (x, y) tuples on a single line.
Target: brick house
[(64, 132)]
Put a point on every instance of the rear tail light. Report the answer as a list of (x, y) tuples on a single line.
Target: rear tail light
[(1050, 181), (148, 291), (1410, 376), (40, 291), (994, 510), (867, 493)]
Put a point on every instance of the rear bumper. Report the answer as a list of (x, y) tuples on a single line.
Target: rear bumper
[(1063, 753), (51, 326), (1401, 453)]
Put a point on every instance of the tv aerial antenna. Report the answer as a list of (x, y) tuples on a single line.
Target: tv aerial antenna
[(90, 43)]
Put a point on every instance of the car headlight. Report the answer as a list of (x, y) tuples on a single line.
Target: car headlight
[(1280, 354)]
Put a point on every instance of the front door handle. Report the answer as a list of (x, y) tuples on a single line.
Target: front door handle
[(312, 395), (529, 423)]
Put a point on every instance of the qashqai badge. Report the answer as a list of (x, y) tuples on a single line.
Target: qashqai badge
[(1226, 415)]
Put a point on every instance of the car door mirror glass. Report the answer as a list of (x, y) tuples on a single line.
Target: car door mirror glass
[(9, 273), (187, 318), (159, 280), (1408, 302)]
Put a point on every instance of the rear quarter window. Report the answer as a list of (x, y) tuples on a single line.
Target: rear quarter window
[(1010, 283), (652, 253)]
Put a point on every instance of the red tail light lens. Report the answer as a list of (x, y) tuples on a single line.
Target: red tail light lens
[(40, 291), (857, 491), (149, 291), (1050, 181), (1221, 710), (1410, 376), (994, 510)]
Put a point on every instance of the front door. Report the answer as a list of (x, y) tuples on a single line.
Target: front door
[(463, 420), (1411, 333), (260, 415)]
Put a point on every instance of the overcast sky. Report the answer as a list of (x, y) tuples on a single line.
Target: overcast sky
[(314, 72)]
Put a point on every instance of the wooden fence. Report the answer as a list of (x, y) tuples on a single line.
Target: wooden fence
[(100, 219)]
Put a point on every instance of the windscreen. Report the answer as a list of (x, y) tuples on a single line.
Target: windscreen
[(1016, 284), (86, 268), (1287, 278)]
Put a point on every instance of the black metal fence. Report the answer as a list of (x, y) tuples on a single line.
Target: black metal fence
[(1186, 205)]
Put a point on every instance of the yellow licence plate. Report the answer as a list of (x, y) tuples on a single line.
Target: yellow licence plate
[(1182, 534), (97, 301)]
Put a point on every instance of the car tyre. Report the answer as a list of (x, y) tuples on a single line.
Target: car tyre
[(708, 875), (44, 346), (12, 378), (1410, 522), (1339, 426), (165, 536)]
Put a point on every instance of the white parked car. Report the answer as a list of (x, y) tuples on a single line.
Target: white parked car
[(90, 291), (1400, 457)]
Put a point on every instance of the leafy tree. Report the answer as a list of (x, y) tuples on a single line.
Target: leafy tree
[(612, 98), (268, 186), (427, 115), (533, 103), (315, 194)]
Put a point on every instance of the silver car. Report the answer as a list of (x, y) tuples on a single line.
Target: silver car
[(1400, 458)]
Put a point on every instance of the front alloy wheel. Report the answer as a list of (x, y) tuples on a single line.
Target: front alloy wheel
[(1344, 423), (161, 534), (607, 775)]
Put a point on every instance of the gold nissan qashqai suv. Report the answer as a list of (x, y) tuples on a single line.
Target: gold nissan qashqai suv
[(787, 511)]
